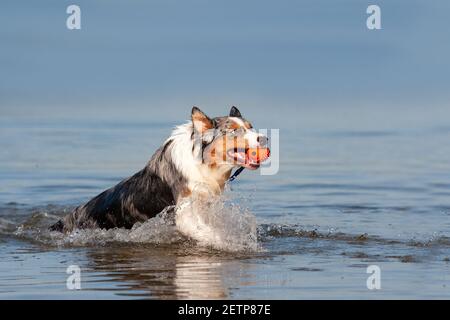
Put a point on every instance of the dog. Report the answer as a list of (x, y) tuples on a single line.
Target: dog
[(202, 151)]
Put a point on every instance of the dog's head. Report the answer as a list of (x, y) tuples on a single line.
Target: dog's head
[(228, 141)]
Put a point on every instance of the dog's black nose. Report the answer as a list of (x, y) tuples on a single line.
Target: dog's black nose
[(262, 140)]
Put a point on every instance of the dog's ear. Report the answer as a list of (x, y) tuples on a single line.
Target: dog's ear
[(234, 112), (200, 120)]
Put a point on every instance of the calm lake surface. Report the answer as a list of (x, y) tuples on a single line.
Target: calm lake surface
[(356, 187)]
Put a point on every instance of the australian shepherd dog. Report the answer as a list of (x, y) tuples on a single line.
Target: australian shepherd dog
[(203, 151)]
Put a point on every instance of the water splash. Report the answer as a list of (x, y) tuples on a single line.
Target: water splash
[(157, 231), (216, 223)]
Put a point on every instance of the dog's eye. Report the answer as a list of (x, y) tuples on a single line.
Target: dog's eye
[(235, 131)]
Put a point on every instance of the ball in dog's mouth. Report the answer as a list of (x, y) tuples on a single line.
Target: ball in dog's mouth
[(249, 158)]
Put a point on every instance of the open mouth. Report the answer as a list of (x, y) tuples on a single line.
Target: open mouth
[(247, 157)]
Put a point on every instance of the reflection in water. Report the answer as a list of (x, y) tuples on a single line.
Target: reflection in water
[(161, 272), (199, 278)]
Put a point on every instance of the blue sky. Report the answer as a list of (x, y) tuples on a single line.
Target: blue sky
[(154, 54)]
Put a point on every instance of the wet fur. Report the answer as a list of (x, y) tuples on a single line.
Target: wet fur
[(135, 199)]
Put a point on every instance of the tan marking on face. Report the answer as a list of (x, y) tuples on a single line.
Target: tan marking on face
[(212, 162), (234, 126), (240, 123), (186, 192), (218, 150), (248, 125)]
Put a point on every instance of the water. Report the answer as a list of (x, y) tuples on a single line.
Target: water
[(356, 187), (364, 125)]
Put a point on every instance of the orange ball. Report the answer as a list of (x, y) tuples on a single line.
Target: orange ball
[(258, 154)]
